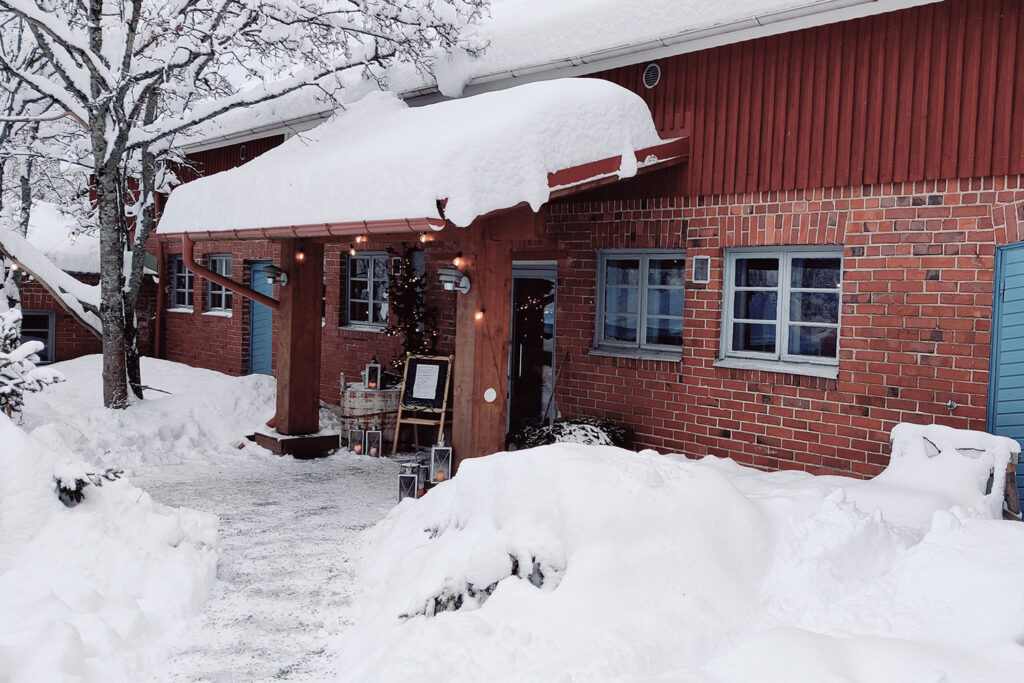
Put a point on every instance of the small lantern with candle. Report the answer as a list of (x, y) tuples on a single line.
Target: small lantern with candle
[(355, 440), (408, 483), (373, 375), (440, 463), (372, 441)]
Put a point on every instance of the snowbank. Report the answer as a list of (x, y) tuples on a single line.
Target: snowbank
[(576, 563), (60, 239), (203, 415), (384, 160), (90, 592)]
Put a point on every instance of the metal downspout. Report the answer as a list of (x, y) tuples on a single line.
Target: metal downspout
[(187, 246)]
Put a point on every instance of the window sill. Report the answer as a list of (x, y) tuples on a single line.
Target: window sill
[(806, 369), (217, 313), (181, 309), (361, 328), (641, 354)]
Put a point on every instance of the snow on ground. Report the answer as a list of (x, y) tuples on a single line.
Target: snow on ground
[(573, 563), (287, 528)]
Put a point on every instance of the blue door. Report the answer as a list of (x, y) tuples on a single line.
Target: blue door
[(1006, 372), (260, 321)]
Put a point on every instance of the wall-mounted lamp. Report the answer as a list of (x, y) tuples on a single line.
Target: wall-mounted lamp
[(457, 261), (453, 280), (300, 256), (479, 315), (351, 250), (276, 276), (424, 238)]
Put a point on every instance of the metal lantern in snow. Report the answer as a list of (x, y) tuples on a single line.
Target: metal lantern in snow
[(373, 375), (440, 463), (355, 440), (372, 441), (408, 482)]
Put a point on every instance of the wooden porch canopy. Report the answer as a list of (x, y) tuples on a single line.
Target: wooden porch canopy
[(299, 304)]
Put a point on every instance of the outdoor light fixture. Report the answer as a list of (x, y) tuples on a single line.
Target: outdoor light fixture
[(453, 280), (301, 256), (423, 237), (457, 261), (275, 276), (351, 250), (360, 239), (479, 315)]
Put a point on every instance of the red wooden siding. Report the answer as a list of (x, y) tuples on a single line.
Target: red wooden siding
[(922, 94), (223, 158)]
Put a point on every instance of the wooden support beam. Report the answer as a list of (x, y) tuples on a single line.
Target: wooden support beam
[(482, 344), (298, 340)]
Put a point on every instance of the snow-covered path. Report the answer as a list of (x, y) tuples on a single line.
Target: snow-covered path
[(287, 533)]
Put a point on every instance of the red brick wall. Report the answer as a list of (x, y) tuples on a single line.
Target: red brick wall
[(72, 339), (915, 328)]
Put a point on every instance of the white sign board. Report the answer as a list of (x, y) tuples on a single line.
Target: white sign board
[(425, 385)]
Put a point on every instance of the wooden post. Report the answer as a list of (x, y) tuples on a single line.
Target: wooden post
[(299, 334), (482, 344)]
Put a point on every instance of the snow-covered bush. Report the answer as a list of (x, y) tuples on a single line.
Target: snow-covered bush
[(19, 373), (590, 431)]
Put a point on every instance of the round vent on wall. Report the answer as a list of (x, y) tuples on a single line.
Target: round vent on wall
[(242, 153), (652, 74)]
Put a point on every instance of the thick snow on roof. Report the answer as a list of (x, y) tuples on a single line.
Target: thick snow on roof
[(384, 160), (60, 239)]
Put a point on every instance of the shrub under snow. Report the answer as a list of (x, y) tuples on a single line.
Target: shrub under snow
[(89, 592), (574, 563)]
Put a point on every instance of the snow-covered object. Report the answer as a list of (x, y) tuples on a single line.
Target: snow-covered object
[(90, 593), (382, 159), (591, 563)]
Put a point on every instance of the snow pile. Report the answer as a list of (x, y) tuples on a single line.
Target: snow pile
[(60, 238), (89, 593), (595, 564), (203, 415), (384, 160)]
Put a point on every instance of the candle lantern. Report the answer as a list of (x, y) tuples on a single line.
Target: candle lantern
[(440, 463), (373, 375), (408, 484), (372, 442), (355, 440)]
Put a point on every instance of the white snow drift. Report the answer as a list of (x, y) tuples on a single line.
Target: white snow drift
[(89, 592), (572, 563)]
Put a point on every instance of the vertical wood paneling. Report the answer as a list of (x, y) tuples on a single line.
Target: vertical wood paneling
[(931, 92)]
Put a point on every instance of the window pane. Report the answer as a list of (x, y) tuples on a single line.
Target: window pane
[(669, 272), (380, 291), (380, 313), (807, 340), (621, 300), (814, 307), (380, 268), (755, 305), (359, 290), (664, 302), (620, 328), (360, 266), (665, 331), (622, 272), (816, 273), (34, 322), (753, 337), (757, 272), (359, 311)]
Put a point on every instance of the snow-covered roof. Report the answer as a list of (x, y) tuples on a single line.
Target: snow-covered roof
[(382, 160), (541, 39), (60, 239)]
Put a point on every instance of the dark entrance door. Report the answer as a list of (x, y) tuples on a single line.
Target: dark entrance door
[(532, 365), (261, 324)]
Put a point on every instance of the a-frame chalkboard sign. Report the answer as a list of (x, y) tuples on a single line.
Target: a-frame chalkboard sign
[(424, 399)]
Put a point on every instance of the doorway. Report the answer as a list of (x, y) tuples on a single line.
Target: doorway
[(1006, 373), (261, 324), (532, 371)]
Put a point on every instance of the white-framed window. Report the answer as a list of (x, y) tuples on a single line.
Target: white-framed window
[(181, 284), (38, 325), (640, 297), (783, 304), (367, 288), (218, 297)]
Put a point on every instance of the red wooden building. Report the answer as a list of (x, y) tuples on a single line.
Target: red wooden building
[(820, 267)]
